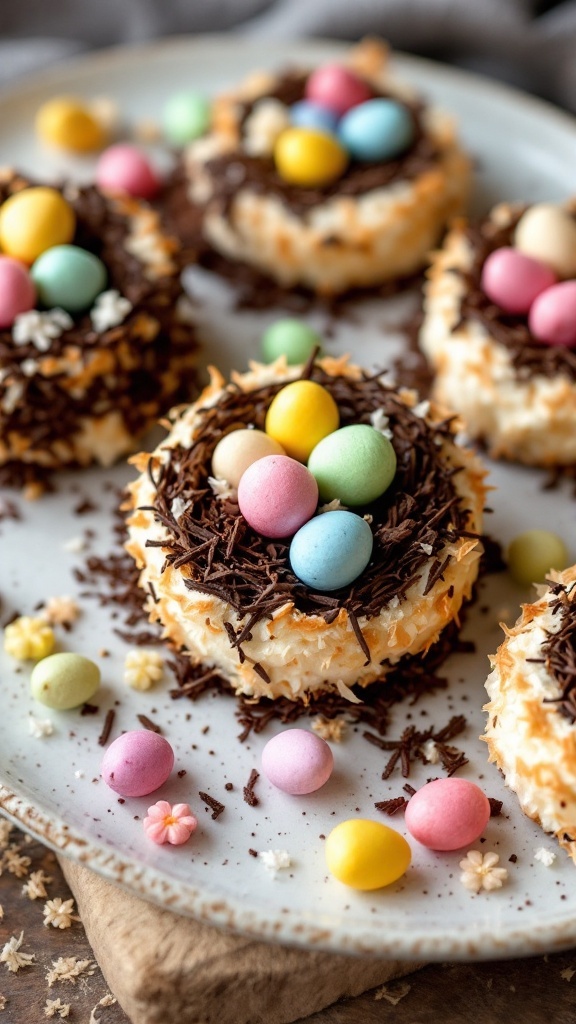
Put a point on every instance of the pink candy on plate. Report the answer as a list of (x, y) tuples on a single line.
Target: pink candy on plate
[(137, 763), (125, 168), (167, 824), (447, 814), (17, 291), (552, 318), (337, 88), (297, 761), (277, 495), (513, 280)]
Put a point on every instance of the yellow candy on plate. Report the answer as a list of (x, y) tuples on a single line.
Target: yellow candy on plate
[(68, 123), (309, 158), (365, 854), (300, 415), (34, 220)]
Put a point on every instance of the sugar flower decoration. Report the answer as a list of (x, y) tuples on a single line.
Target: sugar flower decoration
[(35, 887), (11, 956), (167, 824), (40, 727), (268, 120), (56, 1006), (275, 860), (109, 310), (28, 639), (59, 913), (68, 968), (480, 871), (40, 328), (60, 611), (142, 669)]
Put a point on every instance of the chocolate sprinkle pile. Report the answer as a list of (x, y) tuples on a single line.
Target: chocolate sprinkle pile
[(409, 747), (560, 652)]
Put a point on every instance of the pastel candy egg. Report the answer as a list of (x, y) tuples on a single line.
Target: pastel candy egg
[(355, 464), (307, 114), (17, 292), (186, 116), (238, 450), (379, 129), (300, 415), (137, 763), (68, 277), (68, 123), (532, 554), (290, 338), (34, 220), (297, 761), (447, 814), (308, 157), (366, 854), (66, 680), (276, 495), (337, 87), (548, 233), (331, 550), (552, 317), (513, 280), (126, 169)]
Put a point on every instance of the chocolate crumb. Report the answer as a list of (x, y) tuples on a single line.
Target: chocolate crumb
[(253, 853), (390, 807), (107, 728), (89, 709), (495, 807), (512, 858), (181, 773), (148, 724), (215, 806), (249, 795), (229, 787)]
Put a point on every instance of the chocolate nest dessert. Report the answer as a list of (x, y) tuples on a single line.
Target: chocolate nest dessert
[(228, 596), (82, 387)]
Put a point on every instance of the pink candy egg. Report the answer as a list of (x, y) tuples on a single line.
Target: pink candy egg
[(137, 763), (337, 88), (447, 814), (125, 168), (17, 291), (277, 495), (513, 280), (297, 761), (552, 318)]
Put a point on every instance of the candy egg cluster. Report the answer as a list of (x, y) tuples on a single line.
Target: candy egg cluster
[(536, 277)]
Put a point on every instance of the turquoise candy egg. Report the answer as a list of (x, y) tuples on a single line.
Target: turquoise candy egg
[(355, 464), (68, 277), (291, 338), (376, 130), (331, 550)]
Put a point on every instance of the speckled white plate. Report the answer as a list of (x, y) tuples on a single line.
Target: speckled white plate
[(525, 150)]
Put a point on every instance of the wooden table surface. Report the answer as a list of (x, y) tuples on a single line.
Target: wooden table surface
[(533, 991)]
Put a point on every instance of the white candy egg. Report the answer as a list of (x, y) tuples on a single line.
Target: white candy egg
[(548, 233)]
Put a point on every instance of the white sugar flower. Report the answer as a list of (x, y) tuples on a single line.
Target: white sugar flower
[(546, 857), (269, 118), (221, 488), (40, 328), (40, 727), (109, 310), (275, 860), (59, 913), (68, 968), (12, 958), (35, 887), (16, 863), (142, 669), (480, 871), (329, 728), (430, 751), (56, 1006), (60, 611)]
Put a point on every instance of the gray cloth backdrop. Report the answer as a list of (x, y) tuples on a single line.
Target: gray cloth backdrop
[(528, 43)]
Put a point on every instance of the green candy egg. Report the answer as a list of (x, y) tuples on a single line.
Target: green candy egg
[(68, 277), (64, 681), (186, 116), (355, 464), (532, 554), (290, 338)]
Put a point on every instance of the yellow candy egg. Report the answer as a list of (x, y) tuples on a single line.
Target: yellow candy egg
[(366, 854), (300, 415), (34, 220), (67, 123), (309, 158)]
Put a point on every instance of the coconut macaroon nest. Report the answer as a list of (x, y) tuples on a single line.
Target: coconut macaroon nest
[(515, 391), (531, 728), (227, 595), (82, 386), (375, 220)]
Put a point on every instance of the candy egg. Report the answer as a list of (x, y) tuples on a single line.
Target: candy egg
[(33, 220), (67, 123), (300, 415), (447, 814), (533, 553), (552, 317), (276, 495), (297, 761), (379, 129), (365, 854), (66, 680), (125, 168), (331, 550), (137, 763), (337, 87), (238, 450), (309, 158), (17, 292), (513, 280), (548, 233), (290, 338), (307, 114), (355, 464), (68, 277), (186, 116)]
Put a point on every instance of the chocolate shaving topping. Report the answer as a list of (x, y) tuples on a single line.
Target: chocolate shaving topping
[(390, 807), (148, 724), (495, 807), (409, 747), (215, 806), (249, 795), (107, 727), (559, 650)]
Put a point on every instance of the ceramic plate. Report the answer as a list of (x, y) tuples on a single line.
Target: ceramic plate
[(524, 150)]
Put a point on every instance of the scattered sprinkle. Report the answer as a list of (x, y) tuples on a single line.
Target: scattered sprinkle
[(56, 1006), (142, 669), (275, 860), (546, 857), (28, 639), (249, 795), (68, 968), (40, 727), (59, 913), (60, 611), (215, 806), (330, 728), (393, 995), (109, 310), (40, 328), (567, 974), (480, 871), (75, 545), (12, 958), (35, 887), (167, 824)]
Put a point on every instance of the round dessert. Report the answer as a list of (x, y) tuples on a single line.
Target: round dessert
[(531, 727), (94, 343), (231, 597), (333, 180), (499, 331)]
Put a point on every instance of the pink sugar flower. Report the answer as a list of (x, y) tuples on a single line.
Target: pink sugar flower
[(166, 824)]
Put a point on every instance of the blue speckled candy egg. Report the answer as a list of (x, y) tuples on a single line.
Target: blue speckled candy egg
[(355, 464), (307, 114), (331, 550), (376, 130), (68, 277)]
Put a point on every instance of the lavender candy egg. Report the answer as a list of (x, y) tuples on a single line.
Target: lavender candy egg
[(331, 550), (513, 280), (297, 761), (277, 495), (137, 763)]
